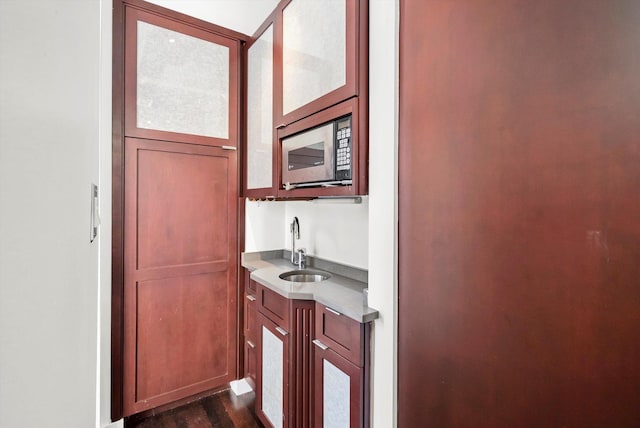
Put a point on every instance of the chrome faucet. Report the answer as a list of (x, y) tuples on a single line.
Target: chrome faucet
[(297, 257)]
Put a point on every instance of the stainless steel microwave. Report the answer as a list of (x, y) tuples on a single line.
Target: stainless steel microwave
[(320, 156)]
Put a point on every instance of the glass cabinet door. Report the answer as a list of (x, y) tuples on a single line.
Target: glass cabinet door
[(319, 56), (272, 394), (339, 390), (183, 82), (260, 129), (272, 377)]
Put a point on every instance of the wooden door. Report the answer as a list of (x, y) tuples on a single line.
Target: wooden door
[(519, 213), (175, 189), (180, 271)]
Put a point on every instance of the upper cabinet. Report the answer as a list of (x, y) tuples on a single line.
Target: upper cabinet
[(260, 170), (319, 56), (180, 81), (307, 67)]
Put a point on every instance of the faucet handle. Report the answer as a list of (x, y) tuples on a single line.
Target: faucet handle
[(302, 254)]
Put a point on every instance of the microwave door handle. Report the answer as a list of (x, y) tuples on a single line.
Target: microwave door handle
[(289, 186)]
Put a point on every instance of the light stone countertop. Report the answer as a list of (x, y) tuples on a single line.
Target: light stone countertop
[(339, 292)]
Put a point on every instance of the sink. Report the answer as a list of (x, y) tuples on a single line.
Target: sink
[(305, 275)]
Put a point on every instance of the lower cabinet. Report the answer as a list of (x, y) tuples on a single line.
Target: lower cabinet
[(311, 364), (272, 376), (341, 370), (342, 405)]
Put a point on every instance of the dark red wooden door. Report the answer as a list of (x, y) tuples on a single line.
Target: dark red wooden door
[(180, 271), (175, 189), (519, 213)]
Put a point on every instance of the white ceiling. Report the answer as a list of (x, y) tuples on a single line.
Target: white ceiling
[(244, 16)]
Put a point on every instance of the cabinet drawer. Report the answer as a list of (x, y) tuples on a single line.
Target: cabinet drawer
[(340, 333), (273, 306)]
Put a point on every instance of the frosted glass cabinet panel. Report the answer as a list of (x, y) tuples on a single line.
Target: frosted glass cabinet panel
[(339, 391), (260, 112), (335, 405), (183, 83), (272, 377), (314, 53)]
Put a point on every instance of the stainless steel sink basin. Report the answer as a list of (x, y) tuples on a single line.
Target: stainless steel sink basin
[(305, 275)]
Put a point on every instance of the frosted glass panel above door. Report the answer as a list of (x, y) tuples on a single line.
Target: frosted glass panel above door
[(314, 51), (182, 83)]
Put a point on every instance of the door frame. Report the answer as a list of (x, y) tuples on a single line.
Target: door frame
[(117, 170)]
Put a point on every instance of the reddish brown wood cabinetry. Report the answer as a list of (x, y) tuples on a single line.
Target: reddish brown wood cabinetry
[(291, 66), (302, 346), (341, 366), (285, 329), (179, 276), (148, 81), (302, 64), (175, 187), (519, 214), (273, 374)]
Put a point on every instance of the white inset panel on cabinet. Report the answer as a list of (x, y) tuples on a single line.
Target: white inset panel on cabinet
[(182, 83), (260, 112), (272, 375), (336, 399), (314, 51)]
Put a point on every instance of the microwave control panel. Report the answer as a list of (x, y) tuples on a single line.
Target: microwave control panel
[(343, 148)]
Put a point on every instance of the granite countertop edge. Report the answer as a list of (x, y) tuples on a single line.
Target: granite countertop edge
[(340, 293)]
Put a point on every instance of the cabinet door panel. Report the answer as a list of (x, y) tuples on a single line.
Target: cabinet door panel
[(320, 56), (272, 376), (260, 159), (314, 38), (180, 271), (339, 391), (182, 82), (273, 305), (335, 406), (344, 335)]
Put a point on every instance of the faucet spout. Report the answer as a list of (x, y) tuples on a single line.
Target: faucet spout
[(295, 234)]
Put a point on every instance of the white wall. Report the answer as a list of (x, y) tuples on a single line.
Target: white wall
[(264, 225), (50, 69), (383, 190), (331, 230)]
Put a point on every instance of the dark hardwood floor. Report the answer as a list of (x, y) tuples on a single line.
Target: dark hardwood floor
[(222, 410)]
